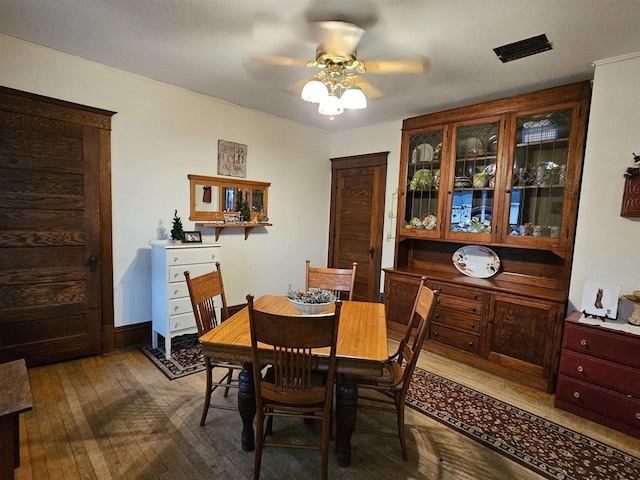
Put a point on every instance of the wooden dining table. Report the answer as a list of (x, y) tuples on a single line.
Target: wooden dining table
[(361, 350)]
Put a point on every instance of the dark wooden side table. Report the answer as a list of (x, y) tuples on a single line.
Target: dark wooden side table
[(15, 399)]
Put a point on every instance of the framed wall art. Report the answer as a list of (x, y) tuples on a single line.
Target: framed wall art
[(232, 159)]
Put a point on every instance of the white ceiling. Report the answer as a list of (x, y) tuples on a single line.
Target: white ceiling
[(201, 45)]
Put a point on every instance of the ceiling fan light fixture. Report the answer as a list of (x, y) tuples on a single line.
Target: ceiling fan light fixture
[(331, 105), (354, 99), (314, 91)]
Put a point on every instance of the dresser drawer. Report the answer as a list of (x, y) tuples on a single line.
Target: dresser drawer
[(602, 344), (623, 379), (182, 322), (454, 338), (606, 403), (184, 256), (180, 305), (456, 319), (178, 290), (176, 273)]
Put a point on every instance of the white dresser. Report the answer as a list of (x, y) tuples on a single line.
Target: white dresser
[(171, 310)]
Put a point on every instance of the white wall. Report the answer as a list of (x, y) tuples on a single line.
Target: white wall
[(607, 245), (161, 134)]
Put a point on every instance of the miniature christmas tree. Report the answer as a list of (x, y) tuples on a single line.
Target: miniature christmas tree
[(177, 232)]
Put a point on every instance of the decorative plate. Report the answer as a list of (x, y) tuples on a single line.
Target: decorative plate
[(425, 152), (476, 261)]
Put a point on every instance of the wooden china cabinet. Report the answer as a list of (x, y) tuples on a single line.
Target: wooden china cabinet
[(505, 176)]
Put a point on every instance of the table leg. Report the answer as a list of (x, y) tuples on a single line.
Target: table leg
[(346, 405), (247, 405)]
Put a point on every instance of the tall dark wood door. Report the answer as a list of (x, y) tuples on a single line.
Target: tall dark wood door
[(55, 262), (357, 219)]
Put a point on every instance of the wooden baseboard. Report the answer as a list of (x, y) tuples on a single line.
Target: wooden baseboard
[(133, 335)]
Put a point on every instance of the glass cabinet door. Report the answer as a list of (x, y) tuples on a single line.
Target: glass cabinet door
[(472, 199), (423, 181), (539, 174)]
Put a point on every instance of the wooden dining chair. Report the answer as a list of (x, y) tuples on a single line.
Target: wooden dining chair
[(203, 291), (338, 280), (289, 389), (395, 383)]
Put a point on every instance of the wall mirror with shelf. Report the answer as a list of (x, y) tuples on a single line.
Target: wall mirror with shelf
[(216, 201)]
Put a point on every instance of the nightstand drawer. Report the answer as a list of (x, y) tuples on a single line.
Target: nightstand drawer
[(602, 344), (623, 379), (455, 319), (184, 256), (454, 338), (606, 403)]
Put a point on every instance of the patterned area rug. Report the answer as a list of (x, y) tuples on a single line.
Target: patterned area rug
[(544, 447), (549, 449), (186, 357)]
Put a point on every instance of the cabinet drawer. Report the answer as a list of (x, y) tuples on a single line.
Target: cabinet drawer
[(178, 290), (180, 305), (454, 338), (181, 322), (471, 307), (184, 256), (620, 378), (456, 319), (604, 402), (602, 344), (457, 291), (176, 273)]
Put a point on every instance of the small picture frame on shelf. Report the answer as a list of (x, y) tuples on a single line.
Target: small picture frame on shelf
[(192, 237), (600, 300), (231, 217)]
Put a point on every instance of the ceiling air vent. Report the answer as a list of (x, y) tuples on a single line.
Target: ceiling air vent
[(523, 48)]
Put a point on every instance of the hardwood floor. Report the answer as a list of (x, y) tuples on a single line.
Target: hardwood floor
[(117, 417)]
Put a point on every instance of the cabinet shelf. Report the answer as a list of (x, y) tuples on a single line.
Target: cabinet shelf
[(248, 227), (558, 142)]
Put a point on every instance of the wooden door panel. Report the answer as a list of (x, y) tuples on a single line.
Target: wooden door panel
[(50, 300), (524, 333), (357, 215)]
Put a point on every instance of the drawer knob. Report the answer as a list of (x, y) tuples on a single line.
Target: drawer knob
[(637, 415), (471, 344), (175, 292), (475, 297), (435, 334), (580, 368), (175, 259), (576, 394), (473, 325), (437, 315), (583, 342), (175, 309), (474, 310)]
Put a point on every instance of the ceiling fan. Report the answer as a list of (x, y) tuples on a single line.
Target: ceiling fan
[(337, 83)]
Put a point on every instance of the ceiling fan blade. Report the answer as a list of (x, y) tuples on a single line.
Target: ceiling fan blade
[(407, 66), (281, 61), (369, 90), (339, 37)]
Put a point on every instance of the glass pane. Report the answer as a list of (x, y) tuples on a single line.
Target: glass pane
[(474, 181), (423, 181), (539, 174), (257, 201)]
